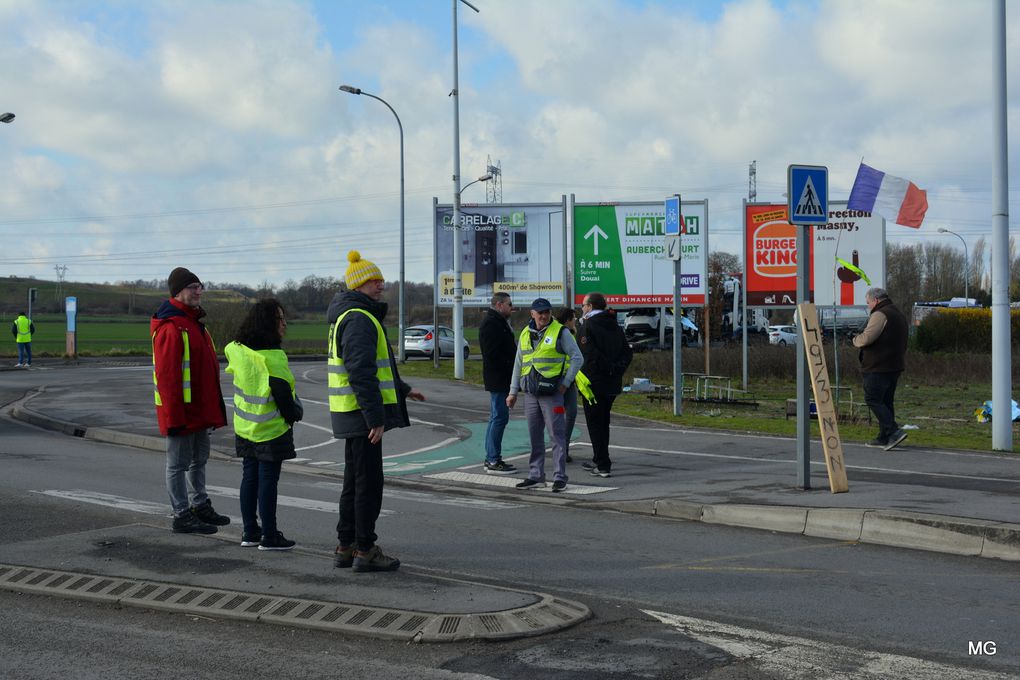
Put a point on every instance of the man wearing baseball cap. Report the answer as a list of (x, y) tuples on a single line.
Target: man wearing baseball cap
[(546, 363), (189, 401)]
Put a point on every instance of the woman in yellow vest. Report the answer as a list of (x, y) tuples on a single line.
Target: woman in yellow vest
[(265, 410)]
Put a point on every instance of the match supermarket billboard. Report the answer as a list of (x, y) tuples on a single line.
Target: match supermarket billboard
[(620, 251), (846, 251), (509, 248)]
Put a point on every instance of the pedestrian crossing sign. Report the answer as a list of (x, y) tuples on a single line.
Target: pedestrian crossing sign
[(808, 194)]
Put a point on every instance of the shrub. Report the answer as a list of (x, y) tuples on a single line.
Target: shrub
[(961, 330)]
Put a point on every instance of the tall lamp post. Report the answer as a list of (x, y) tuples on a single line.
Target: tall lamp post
[(400, 296), (966, 264), (458, 279)]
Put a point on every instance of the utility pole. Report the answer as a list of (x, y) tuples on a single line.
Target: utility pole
[(61, 270)]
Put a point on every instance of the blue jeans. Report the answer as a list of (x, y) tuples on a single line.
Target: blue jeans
[(186, 456), (259, 481), (499, 416), (25, 353)]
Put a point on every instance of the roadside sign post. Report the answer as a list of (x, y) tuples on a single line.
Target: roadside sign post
[(674, 235), (807, 189), (71, 344)]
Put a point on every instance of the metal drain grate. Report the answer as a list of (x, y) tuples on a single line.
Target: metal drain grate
[(546, 615)]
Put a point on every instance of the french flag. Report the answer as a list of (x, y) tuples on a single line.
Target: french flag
[(894, 198)]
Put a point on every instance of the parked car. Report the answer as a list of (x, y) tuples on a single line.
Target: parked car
[(782, 335), (643, 324), (421, 341)]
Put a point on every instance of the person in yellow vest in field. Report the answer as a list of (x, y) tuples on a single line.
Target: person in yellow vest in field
[(366, 398), (22, 330), (266, 406), (547, 361)]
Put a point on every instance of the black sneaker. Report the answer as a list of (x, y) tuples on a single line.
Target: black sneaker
[(251, 539), (277, 542), (589, 466), (559, 485), (529, 484), (343, 558), (500, 467), (374, 560), (597, 472), (895, 439), (877, 441), (188, 523), (209, 516)]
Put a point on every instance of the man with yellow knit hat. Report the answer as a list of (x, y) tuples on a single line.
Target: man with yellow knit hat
[(366, 398)]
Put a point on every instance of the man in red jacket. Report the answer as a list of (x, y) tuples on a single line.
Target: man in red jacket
[(189, 402)]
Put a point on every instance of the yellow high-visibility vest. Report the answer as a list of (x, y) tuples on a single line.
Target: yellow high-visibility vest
[(584, 387), (24, 325), (256, 415), (545, 358), (341, 394), (185, 369)]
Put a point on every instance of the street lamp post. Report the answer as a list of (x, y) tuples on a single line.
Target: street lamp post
[(6, 117), (400, 295), (966, 264), (458, 280)]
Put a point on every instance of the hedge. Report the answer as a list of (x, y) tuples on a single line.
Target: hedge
[(961, 330)]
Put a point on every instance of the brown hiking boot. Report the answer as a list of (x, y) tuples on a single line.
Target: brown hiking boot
[(343, 557), (374, 560)]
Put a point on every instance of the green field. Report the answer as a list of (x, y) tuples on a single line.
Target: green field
[(123, 336)]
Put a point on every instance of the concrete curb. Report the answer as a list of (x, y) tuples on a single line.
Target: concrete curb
[(918, 531)]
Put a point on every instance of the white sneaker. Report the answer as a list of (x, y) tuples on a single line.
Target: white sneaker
[(17, 365)]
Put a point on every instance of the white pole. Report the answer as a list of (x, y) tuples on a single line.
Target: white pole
[(458, 282), (1002, 410)]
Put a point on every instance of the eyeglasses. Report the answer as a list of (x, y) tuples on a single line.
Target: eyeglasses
[(586, 304), (195, 287)]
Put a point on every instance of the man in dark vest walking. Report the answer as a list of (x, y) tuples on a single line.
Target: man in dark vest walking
[(883, 344)]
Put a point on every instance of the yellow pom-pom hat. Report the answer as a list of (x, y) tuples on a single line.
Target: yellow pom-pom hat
[(360, 271)]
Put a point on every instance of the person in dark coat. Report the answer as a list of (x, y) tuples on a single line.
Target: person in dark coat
[(499, 346), (366, 398), (883, 344), (266, 406), (607, 354)]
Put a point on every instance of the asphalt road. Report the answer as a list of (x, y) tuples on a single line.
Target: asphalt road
[(670, 599)]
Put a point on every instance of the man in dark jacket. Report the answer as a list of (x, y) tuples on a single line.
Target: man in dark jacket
[(499, 347), (607, 355), (366, 398), (883, 344), (189, 402)]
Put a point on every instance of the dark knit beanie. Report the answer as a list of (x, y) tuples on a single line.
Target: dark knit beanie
[(180, 279)]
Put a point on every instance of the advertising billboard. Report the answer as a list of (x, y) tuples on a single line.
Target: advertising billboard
[(849, 244), (512, 248), (620, 250)]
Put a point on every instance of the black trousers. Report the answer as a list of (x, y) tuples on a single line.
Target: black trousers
[(597, 416), (361, 497), (879, 392)]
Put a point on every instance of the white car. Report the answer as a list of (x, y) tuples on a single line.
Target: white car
[(421, 340), (782, 335), (644, 322)]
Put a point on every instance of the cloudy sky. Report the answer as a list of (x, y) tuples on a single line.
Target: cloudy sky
[(212, 135)]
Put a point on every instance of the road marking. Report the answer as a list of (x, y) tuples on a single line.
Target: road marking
[(292, 501), (297, 460), (509, 482), (474, 503), (313, 446), (786, 656), (108, 500), (445, 442), (760, 553), (415, 466)]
